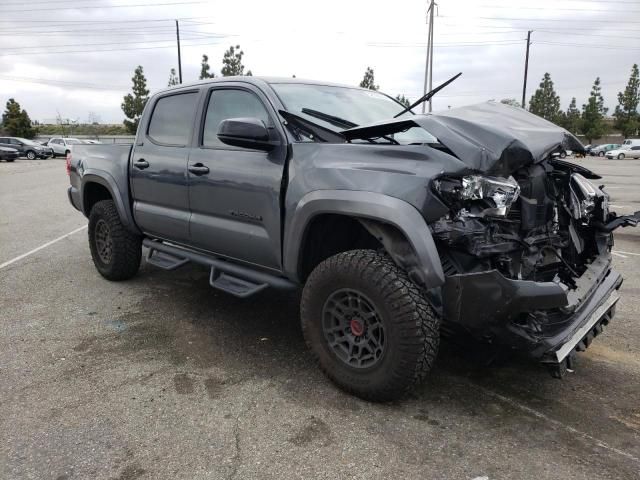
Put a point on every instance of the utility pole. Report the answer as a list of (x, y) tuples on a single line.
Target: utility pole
[(428, 67), (179, 59), (526, 70)]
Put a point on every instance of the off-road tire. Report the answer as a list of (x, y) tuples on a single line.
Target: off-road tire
[(411, 326), (126, 251), (31, 155)]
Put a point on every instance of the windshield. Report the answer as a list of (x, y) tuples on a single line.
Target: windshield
[(361, 107)]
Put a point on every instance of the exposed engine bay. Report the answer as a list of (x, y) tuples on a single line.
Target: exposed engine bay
[(545, 223)]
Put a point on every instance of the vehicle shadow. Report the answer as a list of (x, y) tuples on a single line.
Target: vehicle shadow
[(261, 337)]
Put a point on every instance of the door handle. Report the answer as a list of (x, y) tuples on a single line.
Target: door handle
[(198, 169), (141, 164)]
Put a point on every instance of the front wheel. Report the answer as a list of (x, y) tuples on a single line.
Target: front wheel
[(372, 331), (116, 252), (601, 154), (621, 156), (563, 154), (31, 155)]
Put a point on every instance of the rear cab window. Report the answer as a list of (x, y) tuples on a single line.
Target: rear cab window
[(172, 119)]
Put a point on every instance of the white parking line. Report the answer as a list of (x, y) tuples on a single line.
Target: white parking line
[(557, 423), (627, 253), (619, 255), (20, 257)]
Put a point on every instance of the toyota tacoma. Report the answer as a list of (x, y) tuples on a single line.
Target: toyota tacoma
[(398, 227)]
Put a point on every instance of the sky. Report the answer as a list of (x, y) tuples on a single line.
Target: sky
[(75, 58)]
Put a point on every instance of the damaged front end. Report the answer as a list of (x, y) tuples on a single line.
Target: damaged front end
[(525, 245), (527, 258)]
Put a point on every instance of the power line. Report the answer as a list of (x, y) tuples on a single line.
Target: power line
[(101, 7), (590, 45), (96, 44), (63, 83), (543, 19), (546, 8), (105, 50)]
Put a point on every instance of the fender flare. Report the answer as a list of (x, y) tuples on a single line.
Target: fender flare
[(369, 206), (106, 180)]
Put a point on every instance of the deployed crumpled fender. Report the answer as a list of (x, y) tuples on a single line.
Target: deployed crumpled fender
[(489, 137)]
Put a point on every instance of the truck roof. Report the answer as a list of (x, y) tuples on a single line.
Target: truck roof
[(257, 80)]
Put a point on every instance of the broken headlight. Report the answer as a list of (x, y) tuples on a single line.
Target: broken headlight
[(583, 196), (479, 196)]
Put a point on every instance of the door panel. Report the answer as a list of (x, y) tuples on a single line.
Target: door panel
[(159, 168), (235, 207)]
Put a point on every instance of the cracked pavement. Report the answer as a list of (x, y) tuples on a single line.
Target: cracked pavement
[(164, 377)]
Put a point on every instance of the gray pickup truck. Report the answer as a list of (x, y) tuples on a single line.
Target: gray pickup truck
[(398, 227)]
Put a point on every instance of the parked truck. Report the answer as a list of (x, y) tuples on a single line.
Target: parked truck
[(397, 227)]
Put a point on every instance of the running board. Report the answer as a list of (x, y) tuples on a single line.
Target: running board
[(164, 260), (238, 280)]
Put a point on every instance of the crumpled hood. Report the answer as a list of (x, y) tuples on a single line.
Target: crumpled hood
[(489, 137)]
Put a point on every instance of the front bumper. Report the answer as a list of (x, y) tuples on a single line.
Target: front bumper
[(545, 320)]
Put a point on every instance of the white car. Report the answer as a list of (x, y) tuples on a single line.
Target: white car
[(622, 153), (61, 146)]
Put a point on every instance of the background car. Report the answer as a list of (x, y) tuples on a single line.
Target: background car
[(91, 142), (601, 150), (622, 153), (26, 148), (588, 148), (8, 154), (61, 145)]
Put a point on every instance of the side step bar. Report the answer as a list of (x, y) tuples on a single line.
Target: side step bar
[(229, 277)]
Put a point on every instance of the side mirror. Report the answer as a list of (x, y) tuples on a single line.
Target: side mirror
[(246, 133)]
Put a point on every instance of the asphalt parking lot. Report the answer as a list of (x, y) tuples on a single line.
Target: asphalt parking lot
[(164, 377)]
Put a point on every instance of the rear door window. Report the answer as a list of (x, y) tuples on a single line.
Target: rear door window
[(172, 119)]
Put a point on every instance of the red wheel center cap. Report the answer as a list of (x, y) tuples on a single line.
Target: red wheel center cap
[(357, 328)]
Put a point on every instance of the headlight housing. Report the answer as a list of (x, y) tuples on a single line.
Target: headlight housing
[(478, 195)]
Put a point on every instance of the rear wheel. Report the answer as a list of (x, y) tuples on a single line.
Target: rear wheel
[(31, 155), (116, 252), (563, 154), (370, 328), (621, 156)]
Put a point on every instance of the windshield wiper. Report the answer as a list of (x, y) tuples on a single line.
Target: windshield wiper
[(427, 96), (337, 121), (317, 132)]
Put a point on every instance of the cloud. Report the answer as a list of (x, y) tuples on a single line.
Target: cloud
[(334, 41)]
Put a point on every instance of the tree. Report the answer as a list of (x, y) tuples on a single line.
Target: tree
[(16, 121), (593, 112), (571, 118), (626, 114), (403, 100), (510, 101), (368, 81), (232, 62), (544, 102), (205, 69), (173, 79), (132, 105)]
